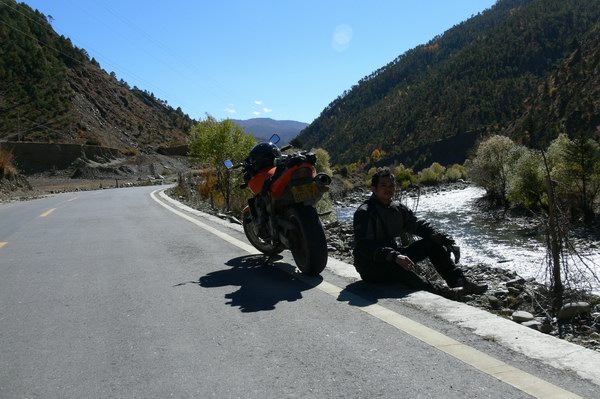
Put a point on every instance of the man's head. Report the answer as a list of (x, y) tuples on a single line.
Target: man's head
[(383, 185)]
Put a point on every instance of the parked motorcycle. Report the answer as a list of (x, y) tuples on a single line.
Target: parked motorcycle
[(282, 213)]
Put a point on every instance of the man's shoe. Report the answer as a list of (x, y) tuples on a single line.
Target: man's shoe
[(454, 294), (473, 288)]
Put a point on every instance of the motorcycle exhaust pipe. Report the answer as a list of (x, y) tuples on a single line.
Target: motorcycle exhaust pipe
[(322, 179)]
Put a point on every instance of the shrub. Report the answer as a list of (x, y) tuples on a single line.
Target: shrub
[(455, 172), (432, 175), (354, 167), (492, 163), (575, 167), (212, 142), (7, 167), (526, 181), (404, 176), (347, 185)]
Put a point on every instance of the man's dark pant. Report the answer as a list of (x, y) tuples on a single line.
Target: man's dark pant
[(417, 251)]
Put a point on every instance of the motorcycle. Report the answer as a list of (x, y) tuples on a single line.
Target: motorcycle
[(281, 214)]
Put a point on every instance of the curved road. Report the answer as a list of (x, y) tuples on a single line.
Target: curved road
[(110, 294)]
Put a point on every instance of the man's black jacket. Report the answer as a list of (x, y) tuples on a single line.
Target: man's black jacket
[(377, 227)]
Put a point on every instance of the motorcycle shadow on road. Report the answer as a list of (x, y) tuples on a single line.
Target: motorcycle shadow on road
[(362, 293), (262, 284)]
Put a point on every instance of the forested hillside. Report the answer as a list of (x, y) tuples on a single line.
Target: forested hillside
[(568, 101), (51, 91), (476, 78)]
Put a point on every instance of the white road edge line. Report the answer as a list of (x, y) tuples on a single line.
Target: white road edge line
[(519, 379)]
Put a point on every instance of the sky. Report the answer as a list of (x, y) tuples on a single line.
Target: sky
[(242, 59)]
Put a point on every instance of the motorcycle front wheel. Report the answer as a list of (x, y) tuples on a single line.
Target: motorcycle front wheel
[(251, 231), (307, 240)]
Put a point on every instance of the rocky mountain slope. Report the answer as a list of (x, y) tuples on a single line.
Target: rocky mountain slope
[(51, 91)]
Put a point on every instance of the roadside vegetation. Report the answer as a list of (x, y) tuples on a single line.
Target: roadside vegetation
[(211, 143), (7, 167), (559, 185)]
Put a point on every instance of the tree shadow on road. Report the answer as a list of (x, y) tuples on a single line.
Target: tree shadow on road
[(262, 285), (362, 293)]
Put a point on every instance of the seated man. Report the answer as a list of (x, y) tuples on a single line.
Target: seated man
[(378, 256)]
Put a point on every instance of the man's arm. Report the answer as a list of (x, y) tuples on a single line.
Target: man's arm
[(424, 229), (416, 226)]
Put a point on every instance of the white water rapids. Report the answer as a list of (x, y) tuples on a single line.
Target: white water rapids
[(508, 243)]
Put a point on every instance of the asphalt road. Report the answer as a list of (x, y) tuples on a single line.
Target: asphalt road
[(108, 294)]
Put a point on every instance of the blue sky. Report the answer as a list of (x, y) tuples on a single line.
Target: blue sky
[(281, 59)]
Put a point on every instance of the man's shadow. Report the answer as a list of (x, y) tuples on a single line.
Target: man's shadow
[(362, 293), (261, 284)]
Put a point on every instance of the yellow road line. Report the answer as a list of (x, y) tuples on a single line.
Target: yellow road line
[(49, 211), (489, 365), (519, 379), (2, 244)]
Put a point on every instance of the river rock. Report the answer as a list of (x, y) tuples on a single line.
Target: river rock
[(521, 316), (495, 303), (516, 282), (533, 324), (573, 309), (546, 328)]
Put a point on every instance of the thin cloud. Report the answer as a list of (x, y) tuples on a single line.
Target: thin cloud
[(256, 113), (342, 36), (267, 110), (230, 110), (258, 102)]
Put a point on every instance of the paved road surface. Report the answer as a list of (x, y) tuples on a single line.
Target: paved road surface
[(107, 294)]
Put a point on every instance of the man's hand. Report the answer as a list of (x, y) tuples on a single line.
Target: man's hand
[(449, 245), (405, 263), (455, 249)]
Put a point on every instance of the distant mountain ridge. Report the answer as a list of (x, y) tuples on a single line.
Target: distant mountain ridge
[(264, 128), (476, 79)]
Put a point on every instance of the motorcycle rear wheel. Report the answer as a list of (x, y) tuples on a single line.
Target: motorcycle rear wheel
[(307, 240), (251, 231)]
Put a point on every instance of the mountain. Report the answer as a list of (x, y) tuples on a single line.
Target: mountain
[(568, 100), (51, 91), (263, 128), (439, 98)]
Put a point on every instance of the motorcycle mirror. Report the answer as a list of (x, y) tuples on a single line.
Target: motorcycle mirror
[(274, 139), (228, 164)]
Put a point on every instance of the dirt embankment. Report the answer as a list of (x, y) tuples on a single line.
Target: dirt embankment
[(95, 172)]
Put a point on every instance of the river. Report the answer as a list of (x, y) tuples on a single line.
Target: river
[(515, 243)]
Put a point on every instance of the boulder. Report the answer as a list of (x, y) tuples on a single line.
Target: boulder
[(573, 309), (495, 303), (521, 316)]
